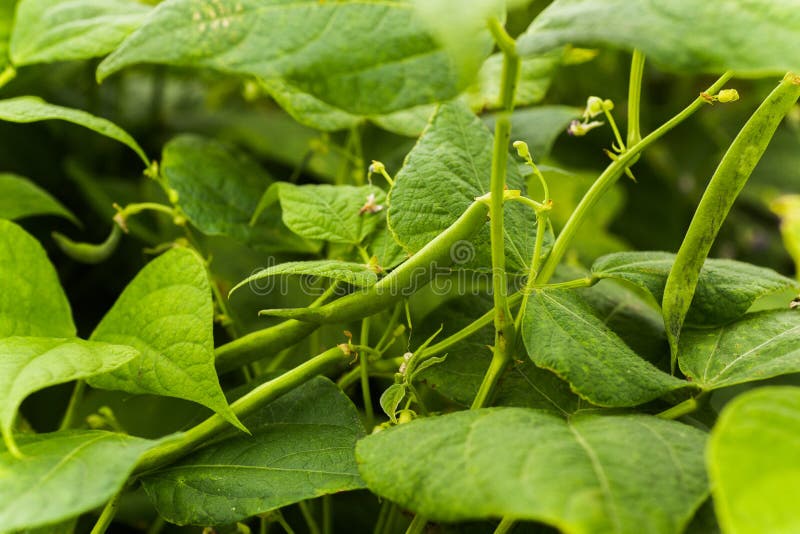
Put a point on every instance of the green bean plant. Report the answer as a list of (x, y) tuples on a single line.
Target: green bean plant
[(368, 286)]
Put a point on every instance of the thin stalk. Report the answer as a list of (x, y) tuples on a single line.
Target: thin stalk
[(364, 366), (313, 528), (156, 526), (505, 526), (327, 514), (503, 322), (686, 407), (107, 515), (8, 74), (383, 514), (282, 522), (417, 525), (635, 97), (610, 176), (614, 128), (199, 434), (74, 400), (391, 518), (387, 338), (536, 264)]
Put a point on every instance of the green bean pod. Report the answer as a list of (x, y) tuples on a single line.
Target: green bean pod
[(416, 272), (728, 180), (89, 252)]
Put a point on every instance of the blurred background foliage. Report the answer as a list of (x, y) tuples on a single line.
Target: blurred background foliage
[(87, 173)]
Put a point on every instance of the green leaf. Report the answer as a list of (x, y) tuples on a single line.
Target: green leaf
[(534, 81), (681, 35), (303, 446), (308, 109), (356, 274), (460, 375), (25, 109), (32, 302), (64, 474), (218, 190), (166, 313), (562, 334), (20, 198), (753, 462), (446, 170), (54, 30), (759, 346), (386, 248), (7, 8), (725, 289), (29, 364), (391, 399), (363, 58), (625, 474), (408, 122), (330, 213)]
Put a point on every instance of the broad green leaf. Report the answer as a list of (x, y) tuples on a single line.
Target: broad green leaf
[(721, 192), (635, 320), (460, 375), (409, 122), (725, 289), (166, 313), (562, 334), (303, 446), (753, 462), (446, 170), (357, 274), (20, 198), (534, 81), (760, 345), (787, 207), (680, 35), (24, 109), (64, 474), (218, 190), (616, 474), (29, 364), (54, 30), (308, 109), (32, 302), (363, 58), (331, 213)]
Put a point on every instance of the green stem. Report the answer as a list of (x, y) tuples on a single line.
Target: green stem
[(503, 322), (74, 401), (313, 528), (327, 514), (197, 435), (364, 366), (610, 176), (536, 264), (613, 124), (635, 97), (156, 526), (505, 526), (107, 515), (388, 336), (684, 408), (282, 522), (383, 514), (8, 74), (417, 525)]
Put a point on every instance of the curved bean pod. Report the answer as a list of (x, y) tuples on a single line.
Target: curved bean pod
[(402, 282), (728, 180)]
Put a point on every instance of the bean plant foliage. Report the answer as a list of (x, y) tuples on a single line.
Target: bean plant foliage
[(399, 266)]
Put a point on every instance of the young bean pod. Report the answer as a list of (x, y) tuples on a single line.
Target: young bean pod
[(402, 282), (728, 180), (89, 252)]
